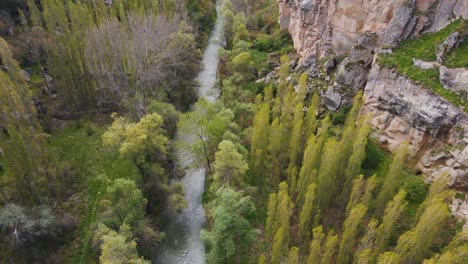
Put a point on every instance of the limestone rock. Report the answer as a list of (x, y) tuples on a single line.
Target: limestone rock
[(393, 32), (322, 28), (445, 47), (424, 65), (351, 74), (329, 65), (332, 99), (405, 111), (455, 79), (361, 55)]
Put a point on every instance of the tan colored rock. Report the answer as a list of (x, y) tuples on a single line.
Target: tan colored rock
[(407, 112), (323, 27)]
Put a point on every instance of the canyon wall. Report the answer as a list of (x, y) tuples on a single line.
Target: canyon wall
[(402, 109), (324, 27)]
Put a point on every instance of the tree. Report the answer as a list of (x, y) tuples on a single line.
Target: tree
[(310, 122), (315, 246), (357, 192), (35, 15), (229, 165), (326, 184), (22, 141), (259, 141), (414, 245), (389, 258), (308, 172), (270, 227), (280, 223), (296, 139), (306, 212), (231, 230), (350, 232), (137, 140), (357, 157), (117, 248), (293, 256), (202, 129), (392, 213), (330, 247), (126, 201), (364, 252), (391, 181)]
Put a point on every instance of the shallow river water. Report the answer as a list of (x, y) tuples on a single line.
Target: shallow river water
[(183, 244)]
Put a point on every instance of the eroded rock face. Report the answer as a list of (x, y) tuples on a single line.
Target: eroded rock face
[(455, 79), (324, 27), (436, 130)]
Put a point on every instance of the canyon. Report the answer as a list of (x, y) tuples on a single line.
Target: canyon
[(402, 109)]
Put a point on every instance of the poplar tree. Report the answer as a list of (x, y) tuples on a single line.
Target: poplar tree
[(34, 14), (350, 232), (330, 247), (326, 180), (392, 178), (364, 252), (270, 227), (306, 212), (296, 138), (414, 245), (275, 150), (308, 172), (302, 89), (389, 258), (315, 246), (356, 193), (259, 141), (293, 256), (392, 213), (310, 123), (357, 157), (349, 134)]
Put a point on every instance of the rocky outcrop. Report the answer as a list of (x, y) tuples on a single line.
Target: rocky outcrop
[(436, 130), (324, 27), (455, 79)]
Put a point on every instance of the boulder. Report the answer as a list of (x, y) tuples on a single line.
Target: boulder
[(351, 74), (329, 65), (361, 55), (455, 79), (332, 99), (451, 42), (424, 65), (26, 75)]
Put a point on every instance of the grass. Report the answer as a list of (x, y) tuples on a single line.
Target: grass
[(80, 148), (458, 58), (424, 48)]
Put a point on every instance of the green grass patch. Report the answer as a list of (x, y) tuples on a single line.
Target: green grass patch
[(458, 58), (80, 148), (424, 48)]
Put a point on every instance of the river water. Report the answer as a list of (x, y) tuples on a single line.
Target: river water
[(183, 244)]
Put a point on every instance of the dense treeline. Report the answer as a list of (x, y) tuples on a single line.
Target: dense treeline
[(135, 57), (331, 200)]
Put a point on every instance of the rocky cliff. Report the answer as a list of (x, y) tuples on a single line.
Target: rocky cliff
[(403, 109), (324, 27)]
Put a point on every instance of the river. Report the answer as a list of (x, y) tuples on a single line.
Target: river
[(183, 244)]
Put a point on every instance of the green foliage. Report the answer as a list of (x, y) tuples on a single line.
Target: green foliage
[(229, 166), (117, 248), (137, 140), (208, 122), (350, 232), (424, 48), (230, 211), (126, 201), (414, 245), (315, 245)]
